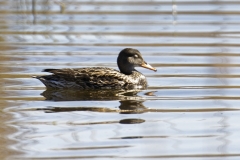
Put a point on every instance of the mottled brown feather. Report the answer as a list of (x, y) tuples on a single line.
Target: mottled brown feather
[(92, 78)]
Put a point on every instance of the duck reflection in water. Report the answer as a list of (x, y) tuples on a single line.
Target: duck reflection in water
[(92, 95), (130, 102), (126, 107)]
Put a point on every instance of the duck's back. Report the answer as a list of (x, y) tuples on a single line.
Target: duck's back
[(92, 78)]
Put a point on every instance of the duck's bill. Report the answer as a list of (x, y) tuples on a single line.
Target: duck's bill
[(148, 66)]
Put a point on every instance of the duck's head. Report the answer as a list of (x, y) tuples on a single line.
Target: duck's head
[(130, 58)]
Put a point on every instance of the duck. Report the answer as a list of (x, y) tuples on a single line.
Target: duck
[(101, 77)]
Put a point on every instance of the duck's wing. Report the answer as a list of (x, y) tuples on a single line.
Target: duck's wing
[(96, 77)]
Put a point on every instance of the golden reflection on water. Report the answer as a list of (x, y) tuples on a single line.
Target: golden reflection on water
[(5, 117)]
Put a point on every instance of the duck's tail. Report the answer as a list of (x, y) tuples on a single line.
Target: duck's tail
[(49, 70), (35, 77)]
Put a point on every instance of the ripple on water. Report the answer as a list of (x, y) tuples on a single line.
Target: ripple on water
[(192, 99)]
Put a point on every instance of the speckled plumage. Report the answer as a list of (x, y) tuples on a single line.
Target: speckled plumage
[(93, 78), (101, 77)]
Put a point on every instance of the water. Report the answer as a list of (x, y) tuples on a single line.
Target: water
[(190, 110)]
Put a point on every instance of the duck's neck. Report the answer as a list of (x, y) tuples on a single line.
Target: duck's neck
[(127, 69)]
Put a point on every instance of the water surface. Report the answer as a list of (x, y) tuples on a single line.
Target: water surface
[(189, 111)]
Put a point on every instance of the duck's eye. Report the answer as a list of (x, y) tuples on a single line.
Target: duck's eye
[(136, 56)]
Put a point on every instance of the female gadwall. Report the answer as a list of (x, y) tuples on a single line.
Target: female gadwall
[(101, 77)]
